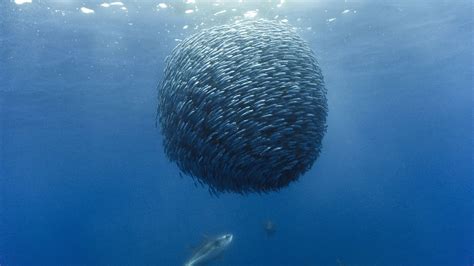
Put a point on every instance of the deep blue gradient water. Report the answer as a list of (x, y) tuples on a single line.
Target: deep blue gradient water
[(84, 179)]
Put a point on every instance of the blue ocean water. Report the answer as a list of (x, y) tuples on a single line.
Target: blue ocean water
[(84, 179)]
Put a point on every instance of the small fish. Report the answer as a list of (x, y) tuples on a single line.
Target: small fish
[(270, 228), (210, 250)]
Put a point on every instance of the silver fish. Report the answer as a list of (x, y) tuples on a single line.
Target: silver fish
[(210, 250)]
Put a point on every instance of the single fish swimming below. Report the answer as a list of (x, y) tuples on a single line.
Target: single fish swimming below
[(210, 250)]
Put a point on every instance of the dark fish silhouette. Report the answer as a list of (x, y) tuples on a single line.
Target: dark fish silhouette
[(270, 228)]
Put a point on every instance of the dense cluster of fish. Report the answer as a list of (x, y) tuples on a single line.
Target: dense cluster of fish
[(243, 106)]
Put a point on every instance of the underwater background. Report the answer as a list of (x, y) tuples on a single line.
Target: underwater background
[(84, 179)]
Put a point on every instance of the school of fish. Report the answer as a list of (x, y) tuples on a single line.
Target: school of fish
[(243, 106)]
